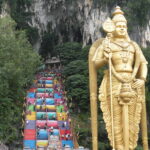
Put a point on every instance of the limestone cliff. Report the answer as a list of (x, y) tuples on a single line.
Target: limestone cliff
[(76, 20)]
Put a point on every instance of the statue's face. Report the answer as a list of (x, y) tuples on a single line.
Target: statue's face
[(121, 29)]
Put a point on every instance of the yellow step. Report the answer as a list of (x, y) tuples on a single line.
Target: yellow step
[(32, 116), (48, 85), (42, 143)]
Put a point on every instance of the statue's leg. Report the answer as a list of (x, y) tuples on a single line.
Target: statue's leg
[(118, 130), (117, 113), (131, 125), (134, 120)]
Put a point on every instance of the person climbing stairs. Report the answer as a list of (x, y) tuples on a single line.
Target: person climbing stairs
[(47, 124)]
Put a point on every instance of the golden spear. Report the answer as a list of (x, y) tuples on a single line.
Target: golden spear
[(144, 127), (109, 27), (93, 96)]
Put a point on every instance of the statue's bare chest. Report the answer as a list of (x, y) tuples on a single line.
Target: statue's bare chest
[(122, 51), (123, 56)]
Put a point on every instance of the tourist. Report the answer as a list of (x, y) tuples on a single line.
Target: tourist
[(53, 117), (51, 131), (27, 121), (65, 124), (67, 136)]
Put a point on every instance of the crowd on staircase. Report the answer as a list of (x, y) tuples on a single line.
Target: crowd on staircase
[(47, 124)]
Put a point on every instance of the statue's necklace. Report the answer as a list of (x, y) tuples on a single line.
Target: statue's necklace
[(125, 55)]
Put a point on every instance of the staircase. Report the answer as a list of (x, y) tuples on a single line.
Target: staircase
[(47, 122)]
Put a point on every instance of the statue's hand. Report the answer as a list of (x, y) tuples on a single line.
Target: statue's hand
[(107, 52), (138, 83)]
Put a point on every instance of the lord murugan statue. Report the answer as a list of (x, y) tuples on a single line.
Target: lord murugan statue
[(122, 90)]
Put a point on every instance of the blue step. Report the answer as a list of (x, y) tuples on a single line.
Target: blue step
[(31, 95), (39, 101), (42, 134), (56, 132), (49, 81), (57, 96), (30, 144), (67, 142), (50, 101)]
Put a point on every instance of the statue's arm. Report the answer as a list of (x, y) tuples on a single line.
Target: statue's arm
[(99, 59), (142, 73)]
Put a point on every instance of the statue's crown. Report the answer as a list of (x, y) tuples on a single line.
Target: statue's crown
[(118, 15)]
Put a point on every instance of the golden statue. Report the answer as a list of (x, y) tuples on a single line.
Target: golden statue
[(122, 91)]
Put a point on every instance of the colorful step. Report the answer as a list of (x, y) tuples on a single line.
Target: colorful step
[(48, 85), (51, 115), (31, 108), (31, 95), (40, 95), (67, 142), (29, 134), (42, 134), (64, 125), (48, 81), (30, 144), (42, 90), (60, 108), (41, 115), (52, 123), (41, 123), (31, 100), (50, 101), (40, 143), (31, 116), (51, 107), (30, 124)]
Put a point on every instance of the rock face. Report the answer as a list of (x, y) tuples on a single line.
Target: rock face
[(75, 20), (3, 147)]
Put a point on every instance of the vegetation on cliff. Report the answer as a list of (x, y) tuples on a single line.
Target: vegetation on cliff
[(18, 63), (70, 20)]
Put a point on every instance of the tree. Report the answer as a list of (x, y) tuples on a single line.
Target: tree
[(69, 52), (74, 58), (18, 63), (47, 46)]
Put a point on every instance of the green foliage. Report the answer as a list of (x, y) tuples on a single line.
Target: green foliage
[(18, 63), (74, 58), (32, 34), (76, 66), (139, 148), (22, 17), (82, 129), (49, 40), (75, 61), (69, 52), (77, 86), (18, 12), (138, 11), (10, 127), (1, 4), (76, 73), (146, 52)]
